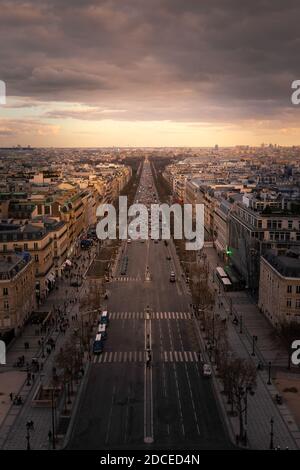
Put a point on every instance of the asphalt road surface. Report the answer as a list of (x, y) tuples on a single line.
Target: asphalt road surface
[(146, 390)]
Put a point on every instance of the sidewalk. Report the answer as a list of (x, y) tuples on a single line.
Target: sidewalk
[(261, 407), (14, 417)]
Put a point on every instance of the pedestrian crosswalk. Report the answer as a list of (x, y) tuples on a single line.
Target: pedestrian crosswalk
[(127, 279), (109, 357), (152, 315), (180, 356)]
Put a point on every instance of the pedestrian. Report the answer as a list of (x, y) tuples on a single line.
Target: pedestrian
[(49, 435), (11, 396)]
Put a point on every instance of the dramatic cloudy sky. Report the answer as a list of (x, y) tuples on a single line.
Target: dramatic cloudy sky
[(149, 72)]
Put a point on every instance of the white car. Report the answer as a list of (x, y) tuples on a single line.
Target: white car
[(206, 370)]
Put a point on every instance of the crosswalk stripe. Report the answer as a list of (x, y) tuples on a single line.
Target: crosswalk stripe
[(154, 315), (141, 356)]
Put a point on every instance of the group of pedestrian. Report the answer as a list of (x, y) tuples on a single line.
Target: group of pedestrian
[(16, 399)]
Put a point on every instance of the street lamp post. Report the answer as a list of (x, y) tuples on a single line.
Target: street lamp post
[(28, 447), (272, 434), (53, 418), (42, 343), (254, 339), (269, 373)]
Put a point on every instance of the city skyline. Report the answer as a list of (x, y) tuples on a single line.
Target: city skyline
[(143, 75)]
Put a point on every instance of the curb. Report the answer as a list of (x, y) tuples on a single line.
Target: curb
[(76, 406)]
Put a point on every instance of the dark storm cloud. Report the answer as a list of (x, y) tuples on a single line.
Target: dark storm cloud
[(184, 60)]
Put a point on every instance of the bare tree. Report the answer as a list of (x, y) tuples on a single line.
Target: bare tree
[(67, 364), (239, 378)]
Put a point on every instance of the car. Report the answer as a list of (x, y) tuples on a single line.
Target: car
[(129, 240), (172, 276), (206, 370)]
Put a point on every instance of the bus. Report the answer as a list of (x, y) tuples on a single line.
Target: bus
[(220, 272), (104, 318), (102, 331), (98, 344), (226, 283)]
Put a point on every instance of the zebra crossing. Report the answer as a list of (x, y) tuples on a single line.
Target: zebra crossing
[(153, 315), (110, 357), (127, 279)]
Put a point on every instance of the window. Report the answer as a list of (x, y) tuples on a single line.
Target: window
[(297, 289), (36, 258), (36, 246), (289, 289), (5, 291), (26, 246), (6, 305), (290, 224), (297, 305), (289, 303)]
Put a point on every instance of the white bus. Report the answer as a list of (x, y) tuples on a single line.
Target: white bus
[(220, 272), (226, 283)]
